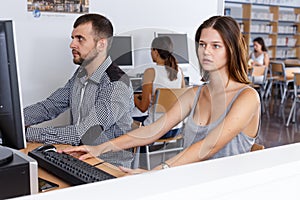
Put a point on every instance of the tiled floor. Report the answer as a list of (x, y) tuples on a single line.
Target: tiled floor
[(274, 131)]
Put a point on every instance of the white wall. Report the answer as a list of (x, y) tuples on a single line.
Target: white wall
[(142, 18), (45, 60)]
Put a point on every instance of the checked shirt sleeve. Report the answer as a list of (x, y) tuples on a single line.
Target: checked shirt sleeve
[(111, 109)]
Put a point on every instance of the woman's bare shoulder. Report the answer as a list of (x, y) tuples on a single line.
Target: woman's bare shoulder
[(192, 91), (250, 93), (149, 75), (149, 71)]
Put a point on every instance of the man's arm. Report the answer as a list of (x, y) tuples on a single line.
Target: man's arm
[(111, 111), (51, 107)]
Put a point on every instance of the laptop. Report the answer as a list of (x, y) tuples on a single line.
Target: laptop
[(136, 84)]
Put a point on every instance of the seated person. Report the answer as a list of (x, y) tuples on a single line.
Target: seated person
[(165, 74), (259, 57), (98, 94), (223, 115)]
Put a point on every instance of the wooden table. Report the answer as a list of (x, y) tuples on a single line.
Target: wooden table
[(292, 63), (109, 168)]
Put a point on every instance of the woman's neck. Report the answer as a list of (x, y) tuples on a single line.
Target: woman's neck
[(218, 80), (258, 53), (161, 62)]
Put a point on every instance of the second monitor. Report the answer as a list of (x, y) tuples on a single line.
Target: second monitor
[(121, 51), (180, 46)]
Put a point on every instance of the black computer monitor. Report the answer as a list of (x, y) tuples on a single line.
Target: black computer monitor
[(180, 46), (121, 51), (11, 113)]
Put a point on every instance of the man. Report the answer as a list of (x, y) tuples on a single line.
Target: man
[(98, 95)]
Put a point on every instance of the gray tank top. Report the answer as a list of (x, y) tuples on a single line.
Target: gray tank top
[(194, 133)]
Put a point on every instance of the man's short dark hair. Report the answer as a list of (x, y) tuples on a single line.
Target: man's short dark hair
[(102, 26)]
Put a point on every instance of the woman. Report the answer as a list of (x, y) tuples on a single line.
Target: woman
[(166, 74), (259, 57), (223, 115)]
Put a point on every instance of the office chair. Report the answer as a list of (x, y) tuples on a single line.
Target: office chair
[(259, 79), (281, 77), (164, 99), (259, 82), (256, 147), (296, 98)]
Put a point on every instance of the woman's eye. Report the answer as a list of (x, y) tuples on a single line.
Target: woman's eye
[(216, 46), (201, 45)]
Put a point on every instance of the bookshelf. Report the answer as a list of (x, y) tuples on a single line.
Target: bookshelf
[(278, 25)]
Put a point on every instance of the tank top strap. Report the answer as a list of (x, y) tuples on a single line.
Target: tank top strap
[(196, 98), (235, 97)]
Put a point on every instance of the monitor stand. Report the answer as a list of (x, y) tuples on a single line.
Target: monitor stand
[(6, 155), (21, 171)]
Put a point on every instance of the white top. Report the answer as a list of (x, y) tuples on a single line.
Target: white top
[(161, 80), (259, 59)]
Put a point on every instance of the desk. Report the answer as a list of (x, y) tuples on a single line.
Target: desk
[(271, 173), (111, 169), (292, 63)]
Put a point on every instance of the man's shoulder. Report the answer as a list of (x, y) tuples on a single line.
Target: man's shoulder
[(115, 73)]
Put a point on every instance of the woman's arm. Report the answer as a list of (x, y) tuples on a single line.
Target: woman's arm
[(182, 80), (266, 59), (143, 102), (143, 135), (243, 117)]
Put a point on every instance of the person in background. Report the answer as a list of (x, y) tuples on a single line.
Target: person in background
[(98, 95), (165, 74), (259, 57), (222, 116)]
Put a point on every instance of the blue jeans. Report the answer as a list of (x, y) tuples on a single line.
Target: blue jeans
[(140, 119), (171, 133)]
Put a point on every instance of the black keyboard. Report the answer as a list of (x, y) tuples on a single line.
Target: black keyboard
[(68, 168)]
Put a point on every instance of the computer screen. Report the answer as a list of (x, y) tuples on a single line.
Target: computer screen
[(180, 45), (121, 51), (137, 84), (11, 113)]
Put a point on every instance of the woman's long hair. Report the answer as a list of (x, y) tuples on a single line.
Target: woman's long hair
[(164, 47), (236, 47), (260, 41)]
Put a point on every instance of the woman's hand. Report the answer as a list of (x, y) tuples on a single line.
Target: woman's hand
[(129, 171), (255, 63), (82, 152)]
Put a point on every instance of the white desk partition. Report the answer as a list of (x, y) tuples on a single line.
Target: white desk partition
[(272, 173)]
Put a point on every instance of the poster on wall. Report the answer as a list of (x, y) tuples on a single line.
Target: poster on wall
[(57, 7)]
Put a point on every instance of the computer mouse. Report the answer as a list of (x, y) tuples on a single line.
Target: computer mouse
[(46, 147)]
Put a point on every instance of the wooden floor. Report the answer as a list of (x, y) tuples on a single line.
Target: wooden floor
[(274, 131)]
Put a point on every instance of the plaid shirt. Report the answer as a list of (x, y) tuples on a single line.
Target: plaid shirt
[(104, 100)]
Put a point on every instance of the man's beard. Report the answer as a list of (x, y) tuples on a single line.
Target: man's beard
[(89, 58)]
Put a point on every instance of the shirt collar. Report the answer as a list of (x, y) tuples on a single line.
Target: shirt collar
[(96, 76)]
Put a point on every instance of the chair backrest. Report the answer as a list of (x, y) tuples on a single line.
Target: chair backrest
[(258, 70), (165, 98), (296, 83), (256, 147), (259, 74), (278, 68), (297, 78)]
